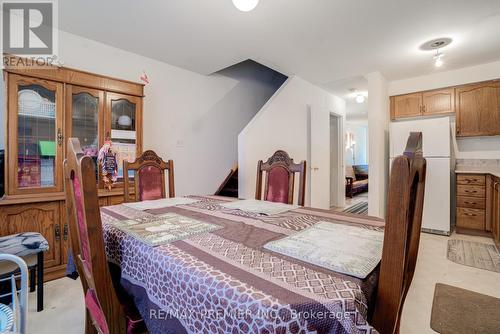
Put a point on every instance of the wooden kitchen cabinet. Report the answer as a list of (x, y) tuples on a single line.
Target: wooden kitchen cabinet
[(429, 103), (471, 202), (478, 109), (409, 105), (478, 205), (437, 102), (495, 210)]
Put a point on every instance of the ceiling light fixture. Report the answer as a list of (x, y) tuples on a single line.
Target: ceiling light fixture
[(360, 98), (245, 5), (438, 58), (437, 44)]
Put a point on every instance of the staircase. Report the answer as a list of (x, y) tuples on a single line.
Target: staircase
[(229, 188)]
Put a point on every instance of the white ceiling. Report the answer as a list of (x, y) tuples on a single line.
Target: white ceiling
[(324, 41)]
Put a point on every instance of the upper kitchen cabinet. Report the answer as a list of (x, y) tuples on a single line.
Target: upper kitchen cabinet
[(35, 138), (440, 101), (409, 105), (478, 109), (434, 102)]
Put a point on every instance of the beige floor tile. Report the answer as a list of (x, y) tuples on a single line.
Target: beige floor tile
[(433, 267)]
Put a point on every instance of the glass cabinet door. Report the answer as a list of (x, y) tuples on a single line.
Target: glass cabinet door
[(35, 144), (123, 127), (85, 118)]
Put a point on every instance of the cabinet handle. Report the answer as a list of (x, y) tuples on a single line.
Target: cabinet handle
[(466, 202), (65, 232), (470, 214), (58, 232), (471, 191), (60, 137), (423, 109)]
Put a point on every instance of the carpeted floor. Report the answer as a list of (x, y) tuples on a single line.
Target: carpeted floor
[(359, 208), (474, 254), (461, 311)]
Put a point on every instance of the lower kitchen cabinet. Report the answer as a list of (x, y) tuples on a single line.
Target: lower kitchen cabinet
[(478, 205), (495, 210)]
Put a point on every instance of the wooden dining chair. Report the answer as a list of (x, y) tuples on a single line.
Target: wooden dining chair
[(106, 311), (401, 235), (149, 177), (280, 178)]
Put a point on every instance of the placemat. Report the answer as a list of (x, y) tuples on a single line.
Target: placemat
[(163, 229), (160, 203), (262, 207), (349, 250)]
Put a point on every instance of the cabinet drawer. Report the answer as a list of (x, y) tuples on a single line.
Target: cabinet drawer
[(471, 202), (472, 179), (103, 201), (471, 191), (114, 200), (471, 218)]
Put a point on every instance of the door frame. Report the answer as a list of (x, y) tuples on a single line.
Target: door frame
[(337, 195)]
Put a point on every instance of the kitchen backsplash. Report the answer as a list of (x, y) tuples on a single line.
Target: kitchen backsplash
[(478, 162)]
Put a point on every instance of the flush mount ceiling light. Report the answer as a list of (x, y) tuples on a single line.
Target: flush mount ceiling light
[(245, 5), (360, 98), (436, 45)]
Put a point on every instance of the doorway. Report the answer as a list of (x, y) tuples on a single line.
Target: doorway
[(337, 190)]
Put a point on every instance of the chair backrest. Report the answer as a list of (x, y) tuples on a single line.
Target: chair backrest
[(401, 236), (280, 178), (87, 241), (149, 177)]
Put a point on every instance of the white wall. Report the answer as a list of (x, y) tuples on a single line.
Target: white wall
[(360, 132), (465, 148), (378, 143), (190, 118), (283, 124)]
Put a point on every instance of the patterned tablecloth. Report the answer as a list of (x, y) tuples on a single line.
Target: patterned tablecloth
[(224, 281)]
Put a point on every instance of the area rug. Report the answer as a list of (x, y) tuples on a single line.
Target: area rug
[(360, 208), (461, 311), (474, 254)]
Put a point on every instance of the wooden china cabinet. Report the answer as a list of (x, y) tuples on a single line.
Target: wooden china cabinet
[(44, 108)]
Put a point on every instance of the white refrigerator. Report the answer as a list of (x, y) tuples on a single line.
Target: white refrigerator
[(436, 145)]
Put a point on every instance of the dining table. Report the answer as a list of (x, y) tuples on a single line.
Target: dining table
[(226, 281)]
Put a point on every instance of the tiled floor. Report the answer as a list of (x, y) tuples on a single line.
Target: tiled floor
[(64, 310)]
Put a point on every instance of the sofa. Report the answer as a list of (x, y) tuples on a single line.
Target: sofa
[(356, 177)]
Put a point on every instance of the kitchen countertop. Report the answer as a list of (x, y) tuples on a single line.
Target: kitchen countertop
[(495, 171)]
